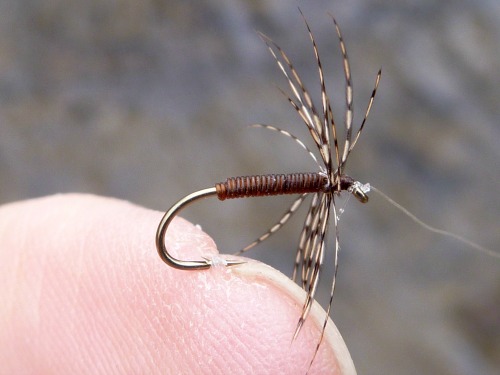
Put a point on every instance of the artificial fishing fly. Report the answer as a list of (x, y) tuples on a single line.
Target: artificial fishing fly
[(324, 185)]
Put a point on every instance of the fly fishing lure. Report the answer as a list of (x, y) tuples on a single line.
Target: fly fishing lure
[(324, 185)]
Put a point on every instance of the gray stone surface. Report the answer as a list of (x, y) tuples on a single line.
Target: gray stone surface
[(149, 100)]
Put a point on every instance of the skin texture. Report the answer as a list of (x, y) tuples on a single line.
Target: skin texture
[(83, 290)]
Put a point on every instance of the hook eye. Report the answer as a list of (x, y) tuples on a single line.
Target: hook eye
[(359, 194)]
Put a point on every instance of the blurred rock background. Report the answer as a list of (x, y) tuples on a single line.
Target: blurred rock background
[(148, 101)]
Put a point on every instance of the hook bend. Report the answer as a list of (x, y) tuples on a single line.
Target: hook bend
[(162, 230)]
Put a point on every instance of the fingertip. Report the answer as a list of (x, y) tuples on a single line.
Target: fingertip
[(281, 318), (88, 287)]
